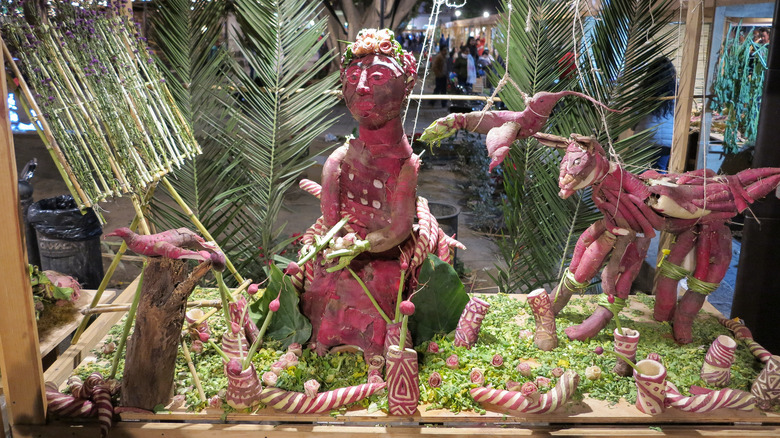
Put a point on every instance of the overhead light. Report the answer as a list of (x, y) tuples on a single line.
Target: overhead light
[(486, 14), (457, 13)]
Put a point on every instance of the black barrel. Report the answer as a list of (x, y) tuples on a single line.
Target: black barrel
[(68, 241), (25, 200)]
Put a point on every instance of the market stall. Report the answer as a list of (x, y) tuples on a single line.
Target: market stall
[(368, 329)]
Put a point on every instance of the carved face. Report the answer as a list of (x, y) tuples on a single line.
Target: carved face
[(374, 89), (578, 169)]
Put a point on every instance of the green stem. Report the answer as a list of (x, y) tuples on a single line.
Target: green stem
[(402, 338), (224, 295), (258, 341), (324, 241), (219, 350), (621, 356), (128, 322), (397, 315), (370, 297)]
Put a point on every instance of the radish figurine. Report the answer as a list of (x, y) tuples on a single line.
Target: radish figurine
[(503, 127), (368, 196), (693, 206), (181, 243)]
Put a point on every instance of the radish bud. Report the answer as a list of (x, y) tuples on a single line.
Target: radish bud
[(407, 308), (235, 328), (611, 299), (218, 261), (252, 289), (273, 306), (204, 336), (233, 367), (292, 269), (404, 266)]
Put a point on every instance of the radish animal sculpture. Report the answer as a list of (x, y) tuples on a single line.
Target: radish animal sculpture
[(372, 181), (180, 243), (693, 206), (503, 127)]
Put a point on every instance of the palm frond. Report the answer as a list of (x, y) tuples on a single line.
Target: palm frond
[(279, 112), (612, 48), (212, 184)]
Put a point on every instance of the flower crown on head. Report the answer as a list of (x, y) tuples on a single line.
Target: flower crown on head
[(380, 42)]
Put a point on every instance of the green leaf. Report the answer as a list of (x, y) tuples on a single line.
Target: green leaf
[(288, 324), (61, 293), (439, 301)]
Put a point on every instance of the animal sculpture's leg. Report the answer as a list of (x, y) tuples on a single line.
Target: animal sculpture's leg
[(713, 255), (593, 247), (670, 273)]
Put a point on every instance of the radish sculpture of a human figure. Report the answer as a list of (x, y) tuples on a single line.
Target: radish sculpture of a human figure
[(371, 182), (693, 206)]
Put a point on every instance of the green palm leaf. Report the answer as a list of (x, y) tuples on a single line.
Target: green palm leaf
[(278, 113), (612, 49)]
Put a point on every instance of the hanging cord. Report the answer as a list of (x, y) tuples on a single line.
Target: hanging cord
[(505, 77), (427, 47), (613, 155)]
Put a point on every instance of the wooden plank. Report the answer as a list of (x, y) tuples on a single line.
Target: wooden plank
[(588, 411), (22, 370), (51, 339), (60, 370), (181, 430), (682, 110)]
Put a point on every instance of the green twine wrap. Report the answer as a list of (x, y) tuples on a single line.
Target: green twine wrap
[(700, 286), (670, 270), (615, 307), (571, 283)]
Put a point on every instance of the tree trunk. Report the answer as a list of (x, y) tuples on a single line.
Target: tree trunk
[(152, 349)]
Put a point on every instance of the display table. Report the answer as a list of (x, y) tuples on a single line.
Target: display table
[(588, 417)]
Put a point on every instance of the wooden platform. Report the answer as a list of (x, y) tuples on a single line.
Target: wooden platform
[(585, 418), (52, 338)]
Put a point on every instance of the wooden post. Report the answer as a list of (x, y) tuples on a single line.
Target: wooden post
[(682, 110), (152, 349), (21, 368)]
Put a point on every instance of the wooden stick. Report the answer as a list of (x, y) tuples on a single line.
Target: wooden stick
[(186, 209), (211, 312), (22, 372), (104, 308), (49, 141), (195, 379)]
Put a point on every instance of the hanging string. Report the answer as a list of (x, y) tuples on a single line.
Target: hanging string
[(427, 47), (505, 77), (704, 161), (613, 155)]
